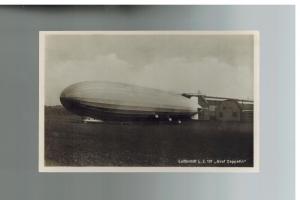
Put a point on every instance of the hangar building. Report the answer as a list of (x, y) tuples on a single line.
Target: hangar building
[(223, 109)]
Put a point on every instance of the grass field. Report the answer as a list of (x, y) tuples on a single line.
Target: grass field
[(69, 142)]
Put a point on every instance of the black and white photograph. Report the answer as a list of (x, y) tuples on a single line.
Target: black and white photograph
[(148, 101)]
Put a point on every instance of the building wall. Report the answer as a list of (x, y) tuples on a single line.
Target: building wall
[(203, 114), (228, 110), (224, 110), (247, 116)]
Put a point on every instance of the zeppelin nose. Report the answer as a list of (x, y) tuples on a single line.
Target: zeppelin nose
[(65, 93), (63, 96), (71, 92), (65, 101), (66, 98)]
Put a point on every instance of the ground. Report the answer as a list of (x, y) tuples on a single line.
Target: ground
[(70, 142)]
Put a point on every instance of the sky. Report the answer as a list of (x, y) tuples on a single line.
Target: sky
[(216, 65)]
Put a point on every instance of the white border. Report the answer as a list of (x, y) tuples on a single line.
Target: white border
[(43, 168), (297, 107)]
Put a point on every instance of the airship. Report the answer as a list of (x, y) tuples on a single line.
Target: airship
[(111, 101)]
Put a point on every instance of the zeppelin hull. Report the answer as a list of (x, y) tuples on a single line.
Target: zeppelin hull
[(119, 102)]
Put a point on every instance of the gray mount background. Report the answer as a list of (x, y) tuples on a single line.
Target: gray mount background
[(19, 176)]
